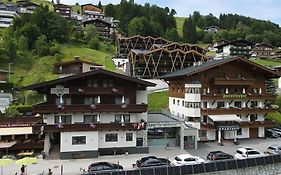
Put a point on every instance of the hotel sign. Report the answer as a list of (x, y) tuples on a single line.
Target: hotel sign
[(228, 127), (15, 125), (234, 96), (59, 90)]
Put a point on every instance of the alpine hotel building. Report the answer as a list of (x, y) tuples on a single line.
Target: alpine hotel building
[(224, 99), (93, 113)]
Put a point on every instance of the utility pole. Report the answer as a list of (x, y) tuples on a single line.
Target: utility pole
[(9, 76)]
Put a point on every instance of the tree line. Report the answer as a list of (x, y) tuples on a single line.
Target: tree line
[(143, 20), (231, 27)]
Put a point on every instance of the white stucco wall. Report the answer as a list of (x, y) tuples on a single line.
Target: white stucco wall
[(91, 141), (141, 97), (261, 132), (121, 139)]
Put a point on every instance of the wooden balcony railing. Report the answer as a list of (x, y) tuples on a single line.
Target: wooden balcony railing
[(96, 90), (221, 111), (50, 108), (28, 146), (238, 96), (87, 127), (233, 81)]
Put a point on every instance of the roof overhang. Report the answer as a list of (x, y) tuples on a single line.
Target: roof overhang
[(7, 144), (225, 118)]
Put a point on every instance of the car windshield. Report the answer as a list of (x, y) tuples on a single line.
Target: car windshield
[(189, 159), (252, 152), (177, 159), (239, 152)]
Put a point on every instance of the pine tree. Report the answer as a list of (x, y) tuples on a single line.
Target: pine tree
[(189, 31), (99, 5)]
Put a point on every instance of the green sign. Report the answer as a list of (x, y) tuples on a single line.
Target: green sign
[(234, 96)]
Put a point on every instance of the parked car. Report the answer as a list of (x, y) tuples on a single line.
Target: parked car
[(104, 166), (187, 159), (277, 130), (244, 153), (152, 161), (218, 155), (271, 133), (273, 149)]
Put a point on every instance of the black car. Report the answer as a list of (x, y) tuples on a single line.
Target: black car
[(218, 155), (271, 133), (103, 166), (152, 161)]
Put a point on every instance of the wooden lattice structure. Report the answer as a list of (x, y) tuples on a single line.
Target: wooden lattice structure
[(154, 63), (184, 47), (125, 44)]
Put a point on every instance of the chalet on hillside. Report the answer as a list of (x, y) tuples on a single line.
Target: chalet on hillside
[(103, 27), (94, 113), (262, 50), (6, 18), (226, 99), (25, 6), (232, 48), (76, 66), (5, 90), (63, 10), (91, 11)]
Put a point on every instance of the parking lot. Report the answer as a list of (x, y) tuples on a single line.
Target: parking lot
[(74, 166)]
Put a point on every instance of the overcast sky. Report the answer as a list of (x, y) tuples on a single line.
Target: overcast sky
[(261, 9)]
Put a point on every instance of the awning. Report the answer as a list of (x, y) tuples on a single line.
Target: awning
[(15, 131), (225, 118), (7, 144)]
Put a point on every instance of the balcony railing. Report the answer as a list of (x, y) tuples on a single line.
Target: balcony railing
[(238, 96), (233, 81), (87, 127), (96, 90), (28, 146), (50, 108), (221, 111)]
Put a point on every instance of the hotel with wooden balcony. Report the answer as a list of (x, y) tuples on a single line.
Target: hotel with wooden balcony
[(225, 98), (93, 113)]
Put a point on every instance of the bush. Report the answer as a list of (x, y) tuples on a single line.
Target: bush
[(94, 43), (55, 49)]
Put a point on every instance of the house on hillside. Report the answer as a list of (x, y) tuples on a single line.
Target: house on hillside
[(232, 48), (262, 50), (63, 10), (25, 6), (104, 28), (91, 11), (5, 90), (212, 29), (6, 18), (76, 66), (94, 113), (226, 99)]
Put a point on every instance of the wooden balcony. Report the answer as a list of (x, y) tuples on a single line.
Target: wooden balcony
[(28, 146), (87, 127), (255, 124), (50, 108), (238, 96), (233, 81), (96, 91), (221, 111)]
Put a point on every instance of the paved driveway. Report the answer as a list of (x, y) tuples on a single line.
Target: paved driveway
[(73, 166)]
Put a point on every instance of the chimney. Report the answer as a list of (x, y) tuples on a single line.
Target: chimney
[(76, 58)]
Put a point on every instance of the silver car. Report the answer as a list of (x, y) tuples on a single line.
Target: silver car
[(274, 149)]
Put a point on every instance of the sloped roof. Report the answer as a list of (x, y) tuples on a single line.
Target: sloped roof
[(76, 61), (234, 42), (213, 63), (87, 74)]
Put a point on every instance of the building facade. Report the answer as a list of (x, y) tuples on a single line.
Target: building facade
[(6, 18), (5, 90), (262, 50), (103, 27), (225, 99), (26, 6), (94, 113), (234, 48), (63, 10)]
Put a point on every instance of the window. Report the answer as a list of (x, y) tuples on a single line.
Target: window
[(221, 90), (118, 100), (107, 83), (67, 101), (126, 118), (254, 104), (93, 83), (118, 118), (178, 102), (205, 119), (79, 140), (88, 100), (182, 103), (202, 133), (238, 104), (220, 104), (111, 137), (90, 119), (63, 119), (174, 101), (129, 137), (239, 132)]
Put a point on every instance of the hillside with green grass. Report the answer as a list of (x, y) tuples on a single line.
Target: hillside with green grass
[(179, 22), (154, 102)]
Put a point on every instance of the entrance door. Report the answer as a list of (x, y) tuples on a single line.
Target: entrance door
[(254, 133)]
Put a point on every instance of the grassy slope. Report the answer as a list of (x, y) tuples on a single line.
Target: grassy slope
[(274, 116), (180, 21), (268, 63), (154, 104)]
